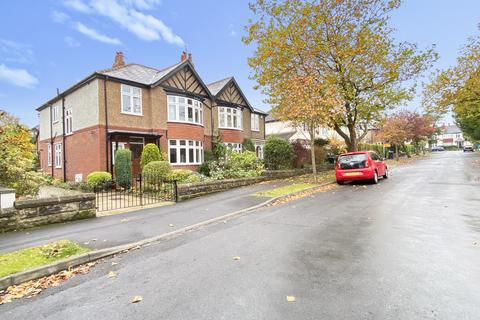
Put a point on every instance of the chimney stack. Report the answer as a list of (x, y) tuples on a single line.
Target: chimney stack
[(183, 57), (119, 62), (190, 58)]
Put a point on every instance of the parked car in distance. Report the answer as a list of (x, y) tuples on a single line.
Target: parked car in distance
[(361, 165), (437, 148), (468, 148)]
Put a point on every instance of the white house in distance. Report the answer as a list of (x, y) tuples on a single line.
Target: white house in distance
[(450, 136), (291, 133)]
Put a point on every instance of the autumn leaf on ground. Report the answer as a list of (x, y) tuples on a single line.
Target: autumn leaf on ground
[(236, 258), (172, 225), (291, 298), (137, 299), (111, 274), (124, 220), (114, 263)]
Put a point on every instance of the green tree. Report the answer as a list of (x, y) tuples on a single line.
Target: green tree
[(17, 157), (345, 50), (150, 153), (123, 168), (278, 153), (248, 145)]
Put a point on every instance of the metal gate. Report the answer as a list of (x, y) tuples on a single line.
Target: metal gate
[(137, 191)]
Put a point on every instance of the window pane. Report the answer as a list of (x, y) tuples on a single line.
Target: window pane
[(183, 155), (171, 99), (235, 121), (201, 117), (136, 91), (136, 105), (190, 114), (126, 104), (197, 155), (189, 101), (190, 156), (181, 112), (181, 100), (190, 143), (197, 120), (173, 142), (182, 142), (173, 155), (172, 112), (229, 120), (125, 88)]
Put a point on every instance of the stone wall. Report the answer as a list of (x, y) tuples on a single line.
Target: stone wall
[(36, 212), (188, 191)]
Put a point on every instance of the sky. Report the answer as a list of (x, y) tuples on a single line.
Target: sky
[(55, 43)]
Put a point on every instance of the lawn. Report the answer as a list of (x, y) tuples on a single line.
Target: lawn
[(28, 258), (281, 191)]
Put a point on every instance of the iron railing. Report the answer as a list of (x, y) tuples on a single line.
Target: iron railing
[(138, 191)]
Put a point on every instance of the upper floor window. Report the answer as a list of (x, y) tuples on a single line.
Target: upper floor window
[(131, 100), (181, 109), (230, 118), (68, 121), (55, 114), (255, 122)]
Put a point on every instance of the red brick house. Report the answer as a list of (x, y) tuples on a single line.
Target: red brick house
[(130, 105)]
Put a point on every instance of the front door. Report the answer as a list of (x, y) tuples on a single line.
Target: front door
[(136, 147)]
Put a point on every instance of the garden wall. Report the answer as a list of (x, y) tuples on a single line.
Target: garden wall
[(36, 212), (188, 191)]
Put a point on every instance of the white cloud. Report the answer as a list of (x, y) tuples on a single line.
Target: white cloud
[(12, 51), (126, 13), (59, 17), (18, 77), (94, 34), (71, 42), (232, 32)]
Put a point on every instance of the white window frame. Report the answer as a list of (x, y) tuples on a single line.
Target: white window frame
[(234, 146), (121, 146), (130, 93), (58, 155), (255, 122), (55, 114), (68, 121), (227, 113), (176, 103), (194, 145), (49, 154)]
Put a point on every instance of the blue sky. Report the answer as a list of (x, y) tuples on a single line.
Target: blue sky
[(56, 43)]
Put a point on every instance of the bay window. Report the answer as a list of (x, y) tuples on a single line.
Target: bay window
[(182, 109), (131, 100), (230, 118), (255, 122), (182, 152)]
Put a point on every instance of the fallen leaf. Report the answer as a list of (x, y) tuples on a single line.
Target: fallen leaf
[(114, 263), (290, 298), (236, 258), (94, 239), (137, 299), (171, 225), (124, 220), (111, 274)]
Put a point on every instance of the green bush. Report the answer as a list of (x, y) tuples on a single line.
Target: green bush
[(123, 168), (150, 153), (378, 148), (158, 170), (207, 155), (248, 145), (278, 153), (246, 161), (219, 149), (205, 168), (185, 176), (97, 178)]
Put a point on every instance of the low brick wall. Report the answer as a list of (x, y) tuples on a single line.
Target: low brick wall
[(187, 191), (36, 212)]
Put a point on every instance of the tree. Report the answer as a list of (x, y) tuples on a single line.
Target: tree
[(458, 89), (346, 51), (422, 127), (17, 157), (150, 153)]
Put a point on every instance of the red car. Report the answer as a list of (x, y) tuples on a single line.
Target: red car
[(361, 165)]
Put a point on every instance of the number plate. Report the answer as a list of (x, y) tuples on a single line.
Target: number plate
[(351, 174)]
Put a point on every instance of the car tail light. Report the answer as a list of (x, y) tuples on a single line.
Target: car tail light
[(368, 163)]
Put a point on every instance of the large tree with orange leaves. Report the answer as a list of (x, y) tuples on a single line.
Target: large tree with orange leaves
[(347, 46)]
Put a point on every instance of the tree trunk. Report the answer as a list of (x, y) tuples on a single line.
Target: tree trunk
[(353, 143), (396, 152), (312, 152)]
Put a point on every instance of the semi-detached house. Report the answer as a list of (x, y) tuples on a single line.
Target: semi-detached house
[(130, 105)]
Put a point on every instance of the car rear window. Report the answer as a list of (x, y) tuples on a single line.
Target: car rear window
[(353, 161)]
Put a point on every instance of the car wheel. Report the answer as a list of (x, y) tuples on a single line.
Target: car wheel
[(340, 182), (375, 178), (385, 176)]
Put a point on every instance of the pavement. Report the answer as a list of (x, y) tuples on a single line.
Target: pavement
[(407, 248), (109, 231)]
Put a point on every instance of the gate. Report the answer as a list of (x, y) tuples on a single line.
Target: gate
[(135, 192)]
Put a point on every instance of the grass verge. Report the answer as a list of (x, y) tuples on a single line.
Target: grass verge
[(28, 258), (281, 191)]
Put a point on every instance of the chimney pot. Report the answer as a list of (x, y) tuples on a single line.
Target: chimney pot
[(119, 62), (183, 57), (190, 58)]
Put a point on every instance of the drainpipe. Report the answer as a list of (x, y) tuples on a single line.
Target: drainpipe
[(64, 155), (107, 144), (51, 143)]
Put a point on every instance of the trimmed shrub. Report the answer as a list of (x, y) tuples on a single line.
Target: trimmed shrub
[(278, 153), (205, 168), (248, 145), (246, 161), (123, 168), (181, 174), (98, 178), (150, 153), (157, 170)]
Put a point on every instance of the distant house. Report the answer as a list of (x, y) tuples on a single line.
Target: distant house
[(449, 136), (130, 105)]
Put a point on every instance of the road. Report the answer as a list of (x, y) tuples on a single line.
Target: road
[(407, 248)]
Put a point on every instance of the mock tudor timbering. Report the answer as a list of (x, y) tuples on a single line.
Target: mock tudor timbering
[(130, 105)]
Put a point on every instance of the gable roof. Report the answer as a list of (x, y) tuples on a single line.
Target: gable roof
[(270, 117), (450, 129), (217, 86), (139, 73)]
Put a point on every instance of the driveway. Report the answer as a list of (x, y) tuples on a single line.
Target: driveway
[(407, 248)]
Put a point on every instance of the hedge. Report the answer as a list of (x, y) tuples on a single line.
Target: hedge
[(123, 168), (97, 178)]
